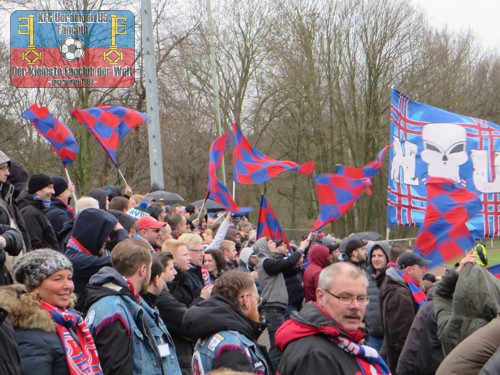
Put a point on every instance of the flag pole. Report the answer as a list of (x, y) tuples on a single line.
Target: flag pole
[(70, 183), (202, 206), (123, 177)]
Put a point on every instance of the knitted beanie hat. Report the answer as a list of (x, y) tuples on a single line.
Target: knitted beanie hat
[(34, 267), (60, 185), (38, 182)]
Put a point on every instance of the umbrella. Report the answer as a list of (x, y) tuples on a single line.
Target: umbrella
[(368, 236), (164, 197), (210, 205)]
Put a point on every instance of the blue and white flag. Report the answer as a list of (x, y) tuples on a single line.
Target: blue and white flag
[(428, 141)]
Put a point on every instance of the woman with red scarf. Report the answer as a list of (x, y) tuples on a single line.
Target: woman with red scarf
[(51, 338)]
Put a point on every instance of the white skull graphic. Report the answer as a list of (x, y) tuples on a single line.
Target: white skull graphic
[(444, 149)]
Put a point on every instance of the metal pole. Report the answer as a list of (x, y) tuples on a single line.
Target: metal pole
[(215, 80), (151, 80)]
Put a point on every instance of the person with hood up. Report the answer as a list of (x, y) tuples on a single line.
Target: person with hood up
[(324, 337), (230, 340), (378, 258), (129, 334), (31, 205), (273, 288), (86, 246), (318, 256)]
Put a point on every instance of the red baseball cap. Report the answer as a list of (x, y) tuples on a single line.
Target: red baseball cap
[(148, 222)]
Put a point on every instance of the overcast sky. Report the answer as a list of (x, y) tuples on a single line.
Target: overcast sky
[(482, 16)]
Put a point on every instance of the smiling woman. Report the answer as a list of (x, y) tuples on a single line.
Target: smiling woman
[(51, 338)]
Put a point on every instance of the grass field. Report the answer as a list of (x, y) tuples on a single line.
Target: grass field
[(493, 255)]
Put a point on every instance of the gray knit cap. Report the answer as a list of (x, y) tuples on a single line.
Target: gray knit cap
[(4, 158), (34, 267)]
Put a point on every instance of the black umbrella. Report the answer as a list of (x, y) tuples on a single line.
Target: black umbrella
[(210, 205), (164, 197), (367, 236)]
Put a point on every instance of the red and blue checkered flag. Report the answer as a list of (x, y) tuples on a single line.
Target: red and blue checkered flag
[(252, 167), (269, 225), (60, 137), (216, 190), (109, 124), (337, 192), (444, 235)]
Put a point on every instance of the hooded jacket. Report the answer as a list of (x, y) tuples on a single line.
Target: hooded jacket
[(100, 195), (373, 316), (40, 231), (307, 347), (128, 333), (271, 279), (464, 304), (91, 229), (58, 214), (398, 311), (39, 345), (319, 259), (229, 323), (476, 354)]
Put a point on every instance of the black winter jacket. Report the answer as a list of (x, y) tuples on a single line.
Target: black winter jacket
[(422, 353), (225, 316), (40, 347), (293, 281), (40, 231), (10, 361), (172, 312), (58, 214)]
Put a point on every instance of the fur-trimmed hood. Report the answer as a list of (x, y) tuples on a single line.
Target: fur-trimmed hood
[(24, 311)]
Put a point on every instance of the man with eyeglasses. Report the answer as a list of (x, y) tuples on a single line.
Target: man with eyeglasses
[(325, 336), (400, 298), (230, 340)]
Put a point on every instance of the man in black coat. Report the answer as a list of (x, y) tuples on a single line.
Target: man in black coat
[(59, 211), (32, 204)]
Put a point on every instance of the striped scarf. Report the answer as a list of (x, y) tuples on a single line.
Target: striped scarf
[(369, 361), (81, 354), (417, 292)]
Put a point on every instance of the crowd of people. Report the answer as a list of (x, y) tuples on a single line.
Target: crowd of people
[(119, 284)]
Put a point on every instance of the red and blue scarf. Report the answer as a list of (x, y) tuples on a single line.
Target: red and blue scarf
[(81, 354), (416, 290)]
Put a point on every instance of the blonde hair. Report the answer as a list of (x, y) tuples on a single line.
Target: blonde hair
[(172, 246), (190, 239)]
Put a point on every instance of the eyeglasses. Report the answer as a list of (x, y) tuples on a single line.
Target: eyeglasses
[(259, 298), (197, 250), (347, 300), (154, 230)]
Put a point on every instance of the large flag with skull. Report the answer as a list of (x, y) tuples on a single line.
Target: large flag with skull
[(429, 141)]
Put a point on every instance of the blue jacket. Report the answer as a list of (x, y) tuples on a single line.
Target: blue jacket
[(229, 341), (130, 336)]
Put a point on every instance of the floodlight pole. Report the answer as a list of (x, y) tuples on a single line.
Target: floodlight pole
[(151, 81), (215, 80)]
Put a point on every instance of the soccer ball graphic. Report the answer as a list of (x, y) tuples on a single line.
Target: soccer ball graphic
[(72, 49)]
